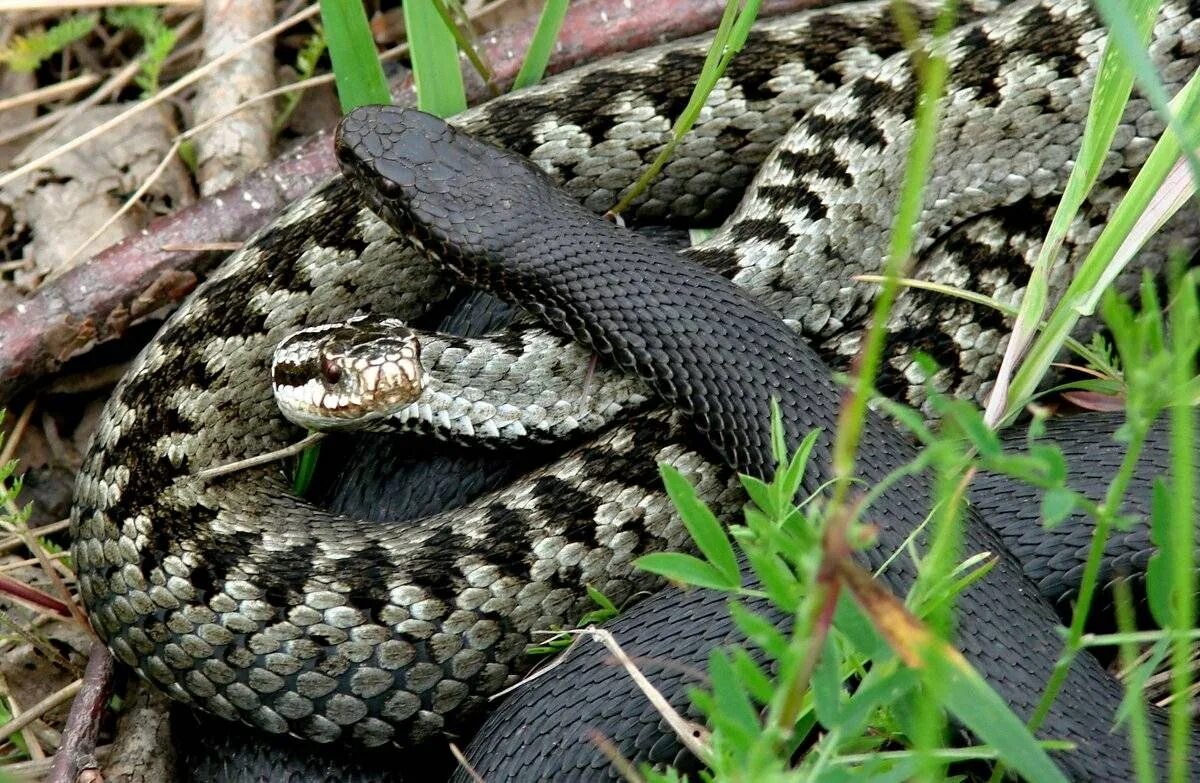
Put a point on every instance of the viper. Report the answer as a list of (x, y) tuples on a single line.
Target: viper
[(235, 596)]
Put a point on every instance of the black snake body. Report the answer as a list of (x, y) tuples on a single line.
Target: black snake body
[(237, 597), (715, 354)]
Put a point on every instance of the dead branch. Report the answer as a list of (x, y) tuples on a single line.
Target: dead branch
[(78, 748)]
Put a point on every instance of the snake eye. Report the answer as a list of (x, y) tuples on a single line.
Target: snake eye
[(331, 371)]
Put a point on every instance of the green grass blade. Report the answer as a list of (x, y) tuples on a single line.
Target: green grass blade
[(306, 469), (706, 530), (728, 40), (466, 44), (356, 65), (980, 299), (537, 56), (434, 55), (1114, 82), (1105, 261), (973, 703), (931, 79), (1184, 317), (1122, 28)]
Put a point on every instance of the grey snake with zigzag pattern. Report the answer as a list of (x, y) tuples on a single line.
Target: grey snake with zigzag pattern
[(235, 596)]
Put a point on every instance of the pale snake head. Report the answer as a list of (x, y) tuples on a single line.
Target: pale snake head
[(338, 376)]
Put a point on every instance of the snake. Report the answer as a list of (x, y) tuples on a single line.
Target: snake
[(235, 596)]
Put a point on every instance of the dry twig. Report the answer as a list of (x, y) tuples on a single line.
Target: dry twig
[(78, 749), (231, 150), (31, 714)]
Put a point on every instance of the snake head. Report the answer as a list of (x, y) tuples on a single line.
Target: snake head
[(340, 375), (455, 197)]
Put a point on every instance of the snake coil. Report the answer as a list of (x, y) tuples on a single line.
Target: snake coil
[(235, 596)]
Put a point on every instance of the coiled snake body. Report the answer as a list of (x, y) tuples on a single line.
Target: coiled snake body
[(236, 596)]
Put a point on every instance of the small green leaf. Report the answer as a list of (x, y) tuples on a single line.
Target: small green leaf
[(189, 155), (759, 630), (751, 676), (24, 53), (827, 685), (600, 599), (684, 569), (1051, 463), (306, 65), (759, 492), (158, 39), (877, 692), (704, 527), (908, 419), (1057, 505), (606, 611), (731, 699), (854, 624), (775, 577), (972, 425), (792, 477)]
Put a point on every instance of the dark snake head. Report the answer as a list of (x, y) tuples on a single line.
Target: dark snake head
[(461, 199)]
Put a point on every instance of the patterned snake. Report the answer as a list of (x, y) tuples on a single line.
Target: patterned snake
[(238, 597)]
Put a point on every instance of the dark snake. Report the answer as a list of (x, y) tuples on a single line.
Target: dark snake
[(186, 587)]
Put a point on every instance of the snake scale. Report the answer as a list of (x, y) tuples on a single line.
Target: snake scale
[(235, 596)]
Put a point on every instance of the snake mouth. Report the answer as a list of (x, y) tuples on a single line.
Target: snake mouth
[(342, 375)]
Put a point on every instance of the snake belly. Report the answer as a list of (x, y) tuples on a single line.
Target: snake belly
[(305, 624)]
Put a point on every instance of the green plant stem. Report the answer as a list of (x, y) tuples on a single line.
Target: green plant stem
[(807, 641), (1106, 515), (1139, 733), (727, 41), (826, 754), (902, 239), (931, 73), (1076, 347), (467, 47), (950, 490), (1137, 637), (1181, 533)]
